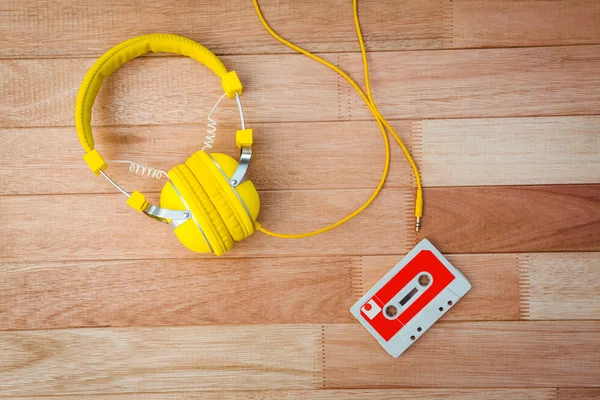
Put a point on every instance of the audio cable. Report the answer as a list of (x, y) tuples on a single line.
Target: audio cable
[(381, 122)]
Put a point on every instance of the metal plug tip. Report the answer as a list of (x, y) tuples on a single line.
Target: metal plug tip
[(418, 224)]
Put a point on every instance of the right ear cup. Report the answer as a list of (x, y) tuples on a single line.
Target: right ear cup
[(221, 214), (206, 230), (229, 202)]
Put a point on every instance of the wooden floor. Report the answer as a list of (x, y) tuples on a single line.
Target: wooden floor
[(500, 103)]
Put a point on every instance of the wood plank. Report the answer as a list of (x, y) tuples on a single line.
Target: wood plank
[(151, 360), (495, 292), (513, 219), (464, 152), (89, 28), (490, 219), (482, 83), (509, 151), (183, 292), (469, 354), (97, 227), (287, 156), (51, 295), (478, 23), (349, 394), (560, 286), (84, 361), (579, 394), (175, 292), (408, 85)]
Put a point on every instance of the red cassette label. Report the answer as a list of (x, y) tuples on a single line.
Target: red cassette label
[(424, 262)]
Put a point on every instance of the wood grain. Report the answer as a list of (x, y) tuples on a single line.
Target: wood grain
[(350, 394), (318, 155), (509, 151), (82, 361), (176, 292), (463, 84), (468, 354), (513, 218), (479, 23), (103, 227), (495, 292), (286, 156), (458, 220), (268, 357), (50, 295), (560, 286), (579, 394), (86, 28), (97, 301), (89, 28)]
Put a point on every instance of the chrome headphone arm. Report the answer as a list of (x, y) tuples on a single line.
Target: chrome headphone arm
[(245, 153), (167, 216), (164, 215), (242, 168)]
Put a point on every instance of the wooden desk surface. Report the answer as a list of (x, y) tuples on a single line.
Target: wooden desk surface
[(500, 104)]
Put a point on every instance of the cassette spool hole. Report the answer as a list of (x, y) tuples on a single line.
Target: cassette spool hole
[(424, 280), (391, 310)]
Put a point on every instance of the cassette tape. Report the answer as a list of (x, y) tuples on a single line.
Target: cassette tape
[(410, 298)]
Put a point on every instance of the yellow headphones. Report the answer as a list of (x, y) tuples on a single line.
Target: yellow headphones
[(206, 200)]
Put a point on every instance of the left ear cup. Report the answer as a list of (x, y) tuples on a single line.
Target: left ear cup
[(187, 193)]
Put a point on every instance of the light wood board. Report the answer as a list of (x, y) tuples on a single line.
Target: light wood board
[(499, 103), (165, 292), (351, 394), (82, 29), (464, 83)]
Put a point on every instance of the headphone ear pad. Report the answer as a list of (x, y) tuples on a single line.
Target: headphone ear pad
[(205, 231), (227, 200), (243, 199)]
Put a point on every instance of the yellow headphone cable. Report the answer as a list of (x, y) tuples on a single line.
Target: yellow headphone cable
[(381, 122)]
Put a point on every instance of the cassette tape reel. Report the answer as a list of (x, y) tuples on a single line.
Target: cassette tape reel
[(410, 298)]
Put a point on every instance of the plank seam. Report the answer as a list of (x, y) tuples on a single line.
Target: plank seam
[(319, 369), (356, 278), (556, 394), (416, 146), (409, 215), (339, 89), (284, 52), (349, 103), (524, 280), (447, 22)]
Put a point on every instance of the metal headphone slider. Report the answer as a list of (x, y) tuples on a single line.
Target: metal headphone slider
[(245, 152), (167, 216), (164, 215)]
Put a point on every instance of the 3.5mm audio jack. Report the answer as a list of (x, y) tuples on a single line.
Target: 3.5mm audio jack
[(419, 207)]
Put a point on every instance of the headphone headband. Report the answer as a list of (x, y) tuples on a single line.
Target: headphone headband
[(127, 51)]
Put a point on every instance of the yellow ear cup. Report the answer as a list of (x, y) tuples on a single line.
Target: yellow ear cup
[(206, 230), (228, 203), (246, 191)]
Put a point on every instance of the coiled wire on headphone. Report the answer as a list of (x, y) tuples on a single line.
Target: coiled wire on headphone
[(142, 170), (212, 127)]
